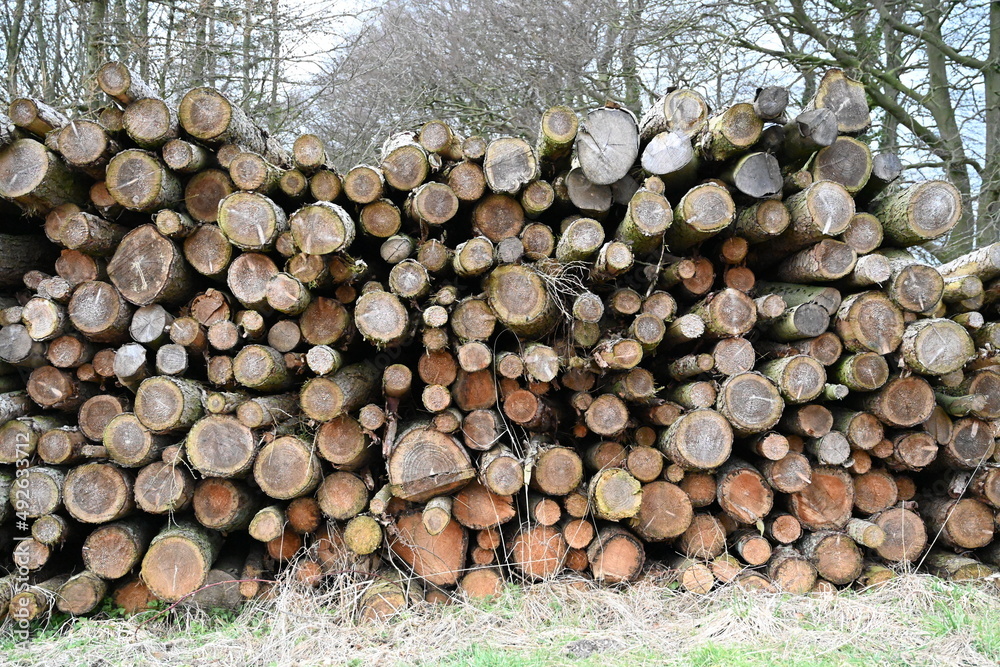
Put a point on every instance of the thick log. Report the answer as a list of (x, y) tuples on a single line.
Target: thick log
[(381, 318), (799, 378), (87, 146), (902, 402), (607, 144), (509, 164), (139, 181), (81, 594), (178, 560), (438, 559), (836, 556), (325, 398), (669, 155), (148, 268), (825, 261), (205, 191), (56, 389), (615, 555), (286, 468), (405, 162), (120, 82), (425, 463), (699, 440), (905, 535), (756, 175), (35, 116), (826, 503), (920, 213), (476, 507), (35, 600), (704, 211), (501, 472), (936, 346), (665, 512), (846, 98), (963, 523), (743, 493), (791, 571), (729, 133), (870, 321), (130, 443), (98, 493), (704, 538), (822, 210), (726, 313), (681, 110), (163, 488), (168, 404), (150, 123), (807, 133), (521, 300), (185, 157), (207, 115), (34, 178), (557, 130), (322, 228), (539, 552), (750, 402), (846, 161)]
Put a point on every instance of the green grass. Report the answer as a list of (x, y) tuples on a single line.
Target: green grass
[(914, 621)]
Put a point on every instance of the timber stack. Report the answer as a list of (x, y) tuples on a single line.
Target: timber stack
[(697, 345)]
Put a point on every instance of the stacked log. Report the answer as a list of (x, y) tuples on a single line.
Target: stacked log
[(703, 339)]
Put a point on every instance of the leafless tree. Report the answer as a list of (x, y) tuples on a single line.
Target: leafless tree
[(931, 66)]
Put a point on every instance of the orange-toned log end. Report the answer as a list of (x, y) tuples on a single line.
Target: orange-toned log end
[(558, 471), (285, 547), (905, 535), (538, 552), (784, 528), (308, 573), (438, 559), (754, 581), (743, 494), (427, 463), (342, 495), (665, 512), (578, 533), (616, 556), (874, 491), (695, 577), (836, 556), (791, 572), (826, 503), (753, 548), (304, 515), (704, 538), (478, 508), (576, 560), (435, 595), (134, 597), (544, 510), (480, 556), (645, 463), (482, 583), (700, 488)]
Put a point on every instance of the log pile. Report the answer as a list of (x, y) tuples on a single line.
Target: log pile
[(698, 344)]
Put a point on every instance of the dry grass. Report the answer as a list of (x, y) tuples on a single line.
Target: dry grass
[(914, 620)]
